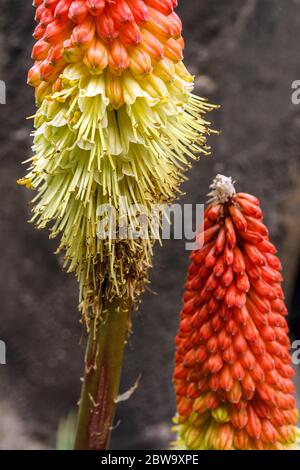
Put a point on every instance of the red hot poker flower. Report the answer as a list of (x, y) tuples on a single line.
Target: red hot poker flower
[(233, 372), (116, 121)]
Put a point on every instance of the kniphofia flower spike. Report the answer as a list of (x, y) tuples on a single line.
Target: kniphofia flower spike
[(233, 372), (116, 124)]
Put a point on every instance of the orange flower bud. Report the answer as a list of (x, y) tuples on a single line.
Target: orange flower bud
[(37, 3), (152, 45), (62, 9), (130, 34), (57, 31), (106, 27), (114, 90), (173, 50), (84, 33), (39, 31), (95, 7), (39, 11), (159, 25), (40, 50), (55, 56), (118, 59), (34, 75), (72, 53), (165, 70), (78, 11), (140, 62), (50, 3), (46, 17), (163, 6), (49, 71), (57, 85), (139, 11), (96, 57), (176, 25), (121, 13)]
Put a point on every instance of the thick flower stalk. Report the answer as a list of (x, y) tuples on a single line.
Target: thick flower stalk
[(233, 372), (116, 125)]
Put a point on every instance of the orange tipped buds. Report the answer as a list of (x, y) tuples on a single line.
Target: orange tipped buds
[(173, 50), (140, 62), (106, 28), (46, 17), (39, 31), (96, 58), (55, 55), (40, 50), (39, 11), (57, 31), (84, 33), (62, 9), (118, 57), (139, 11), (114, 90), (159, 25), (49, 71), (50, 3), (176, 25), (37, 3), (34, 76), (163, 6), (121, 13), (232, 345), (72, 53), (130, 34), (152, 45)]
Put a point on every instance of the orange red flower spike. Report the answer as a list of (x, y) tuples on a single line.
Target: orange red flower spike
[(233, 374)]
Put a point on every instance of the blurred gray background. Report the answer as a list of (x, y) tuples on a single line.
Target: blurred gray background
[(245, 54)]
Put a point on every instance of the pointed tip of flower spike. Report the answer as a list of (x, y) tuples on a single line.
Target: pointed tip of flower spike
[(222, 190)]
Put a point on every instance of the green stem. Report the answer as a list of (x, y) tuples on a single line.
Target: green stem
[(103, 366)]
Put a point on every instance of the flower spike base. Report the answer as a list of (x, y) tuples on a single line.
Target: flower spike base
[(233, 372)]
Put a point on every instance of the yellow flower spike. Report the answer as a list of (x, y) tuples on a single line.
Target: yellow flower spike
[(116, 118)]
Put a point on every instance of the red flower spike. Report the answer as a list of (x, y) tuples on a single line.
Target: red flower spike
[(78, 11), (232, 347)]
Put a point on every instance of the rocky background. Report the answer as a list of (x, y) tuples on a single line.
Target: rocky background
[(245, 54)]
